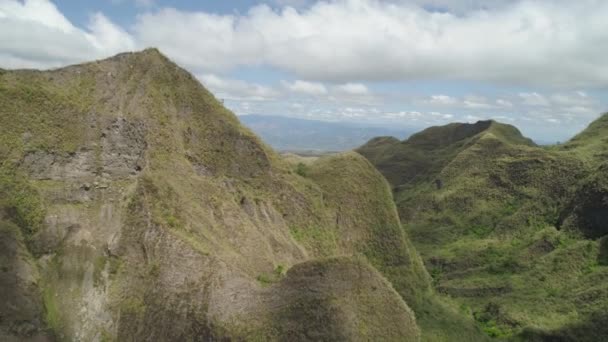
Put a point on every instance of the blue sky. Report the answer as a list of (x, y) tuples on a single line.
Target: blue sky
[(402, 63)]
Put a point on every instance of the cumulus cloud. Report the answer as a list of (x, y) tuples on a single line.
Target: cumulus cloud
[(35, 34), (231, 89), (388, 40), (106, 37), (555, 42)]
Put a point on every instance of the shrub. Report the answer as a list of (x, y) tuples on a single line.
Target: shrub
[(302, 169)]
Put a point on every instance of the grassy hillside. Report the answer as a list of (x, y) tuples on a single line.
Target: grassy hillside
[(362, 198), (421, 157), (592, 143), (507, 229), (137, 207)]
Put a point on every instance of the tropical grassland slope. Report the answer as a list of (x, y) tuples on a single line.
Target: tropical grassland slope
[(510, 230)]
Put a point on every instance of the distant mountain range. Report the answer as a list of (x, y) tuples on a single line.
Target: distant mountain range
[(291, 134)]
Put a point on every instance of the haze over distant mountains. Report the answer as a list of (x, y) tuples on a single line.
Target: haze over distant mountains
[(293, 134)]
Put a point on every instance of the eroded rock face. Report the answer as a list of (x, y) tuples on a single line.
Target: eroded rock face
[(123, 146), (44, 165), (118, 153)]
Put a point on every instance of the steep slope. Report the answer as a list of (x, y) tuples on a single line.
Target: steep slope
[(592, 143), (368, 203), (133, 206), (485, 210), (22, 307), (587, 211), (339, 300)]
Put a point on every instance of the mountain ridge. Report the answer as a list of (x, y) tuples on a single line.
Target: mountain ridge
[(504, 226)]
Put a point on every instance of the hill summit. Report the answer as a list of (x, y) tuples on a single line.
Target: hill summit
[(424, 154)]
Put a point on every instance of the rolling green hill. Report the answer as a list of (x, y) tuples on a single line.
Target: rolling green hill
[(511, 231)]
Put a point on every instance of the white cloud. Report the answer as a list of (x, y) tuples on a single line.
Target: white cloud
[(534, 99), (352, 89), (443, 100), (469, 102), (563, 107), (504, 103), (514, 42), (555, 42), (476, 102), (304, 87), (36, 12), (230, 89), (106, 37), (411, 115), (34, 34), (577, 98)]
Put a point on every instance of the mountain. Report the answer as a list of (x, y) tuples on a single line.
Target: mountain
[(513, 232), (426, 153), (592, 143), (297, 135), (135, 207)]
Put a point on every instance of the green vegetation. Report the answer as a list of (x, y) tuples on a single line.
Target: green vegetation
[(52, 311), (133, 306), (269, 278), (20, 201), (302, 169), (500, 222), (592, 143), (322, 241), (363, 199), (346, 299)]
